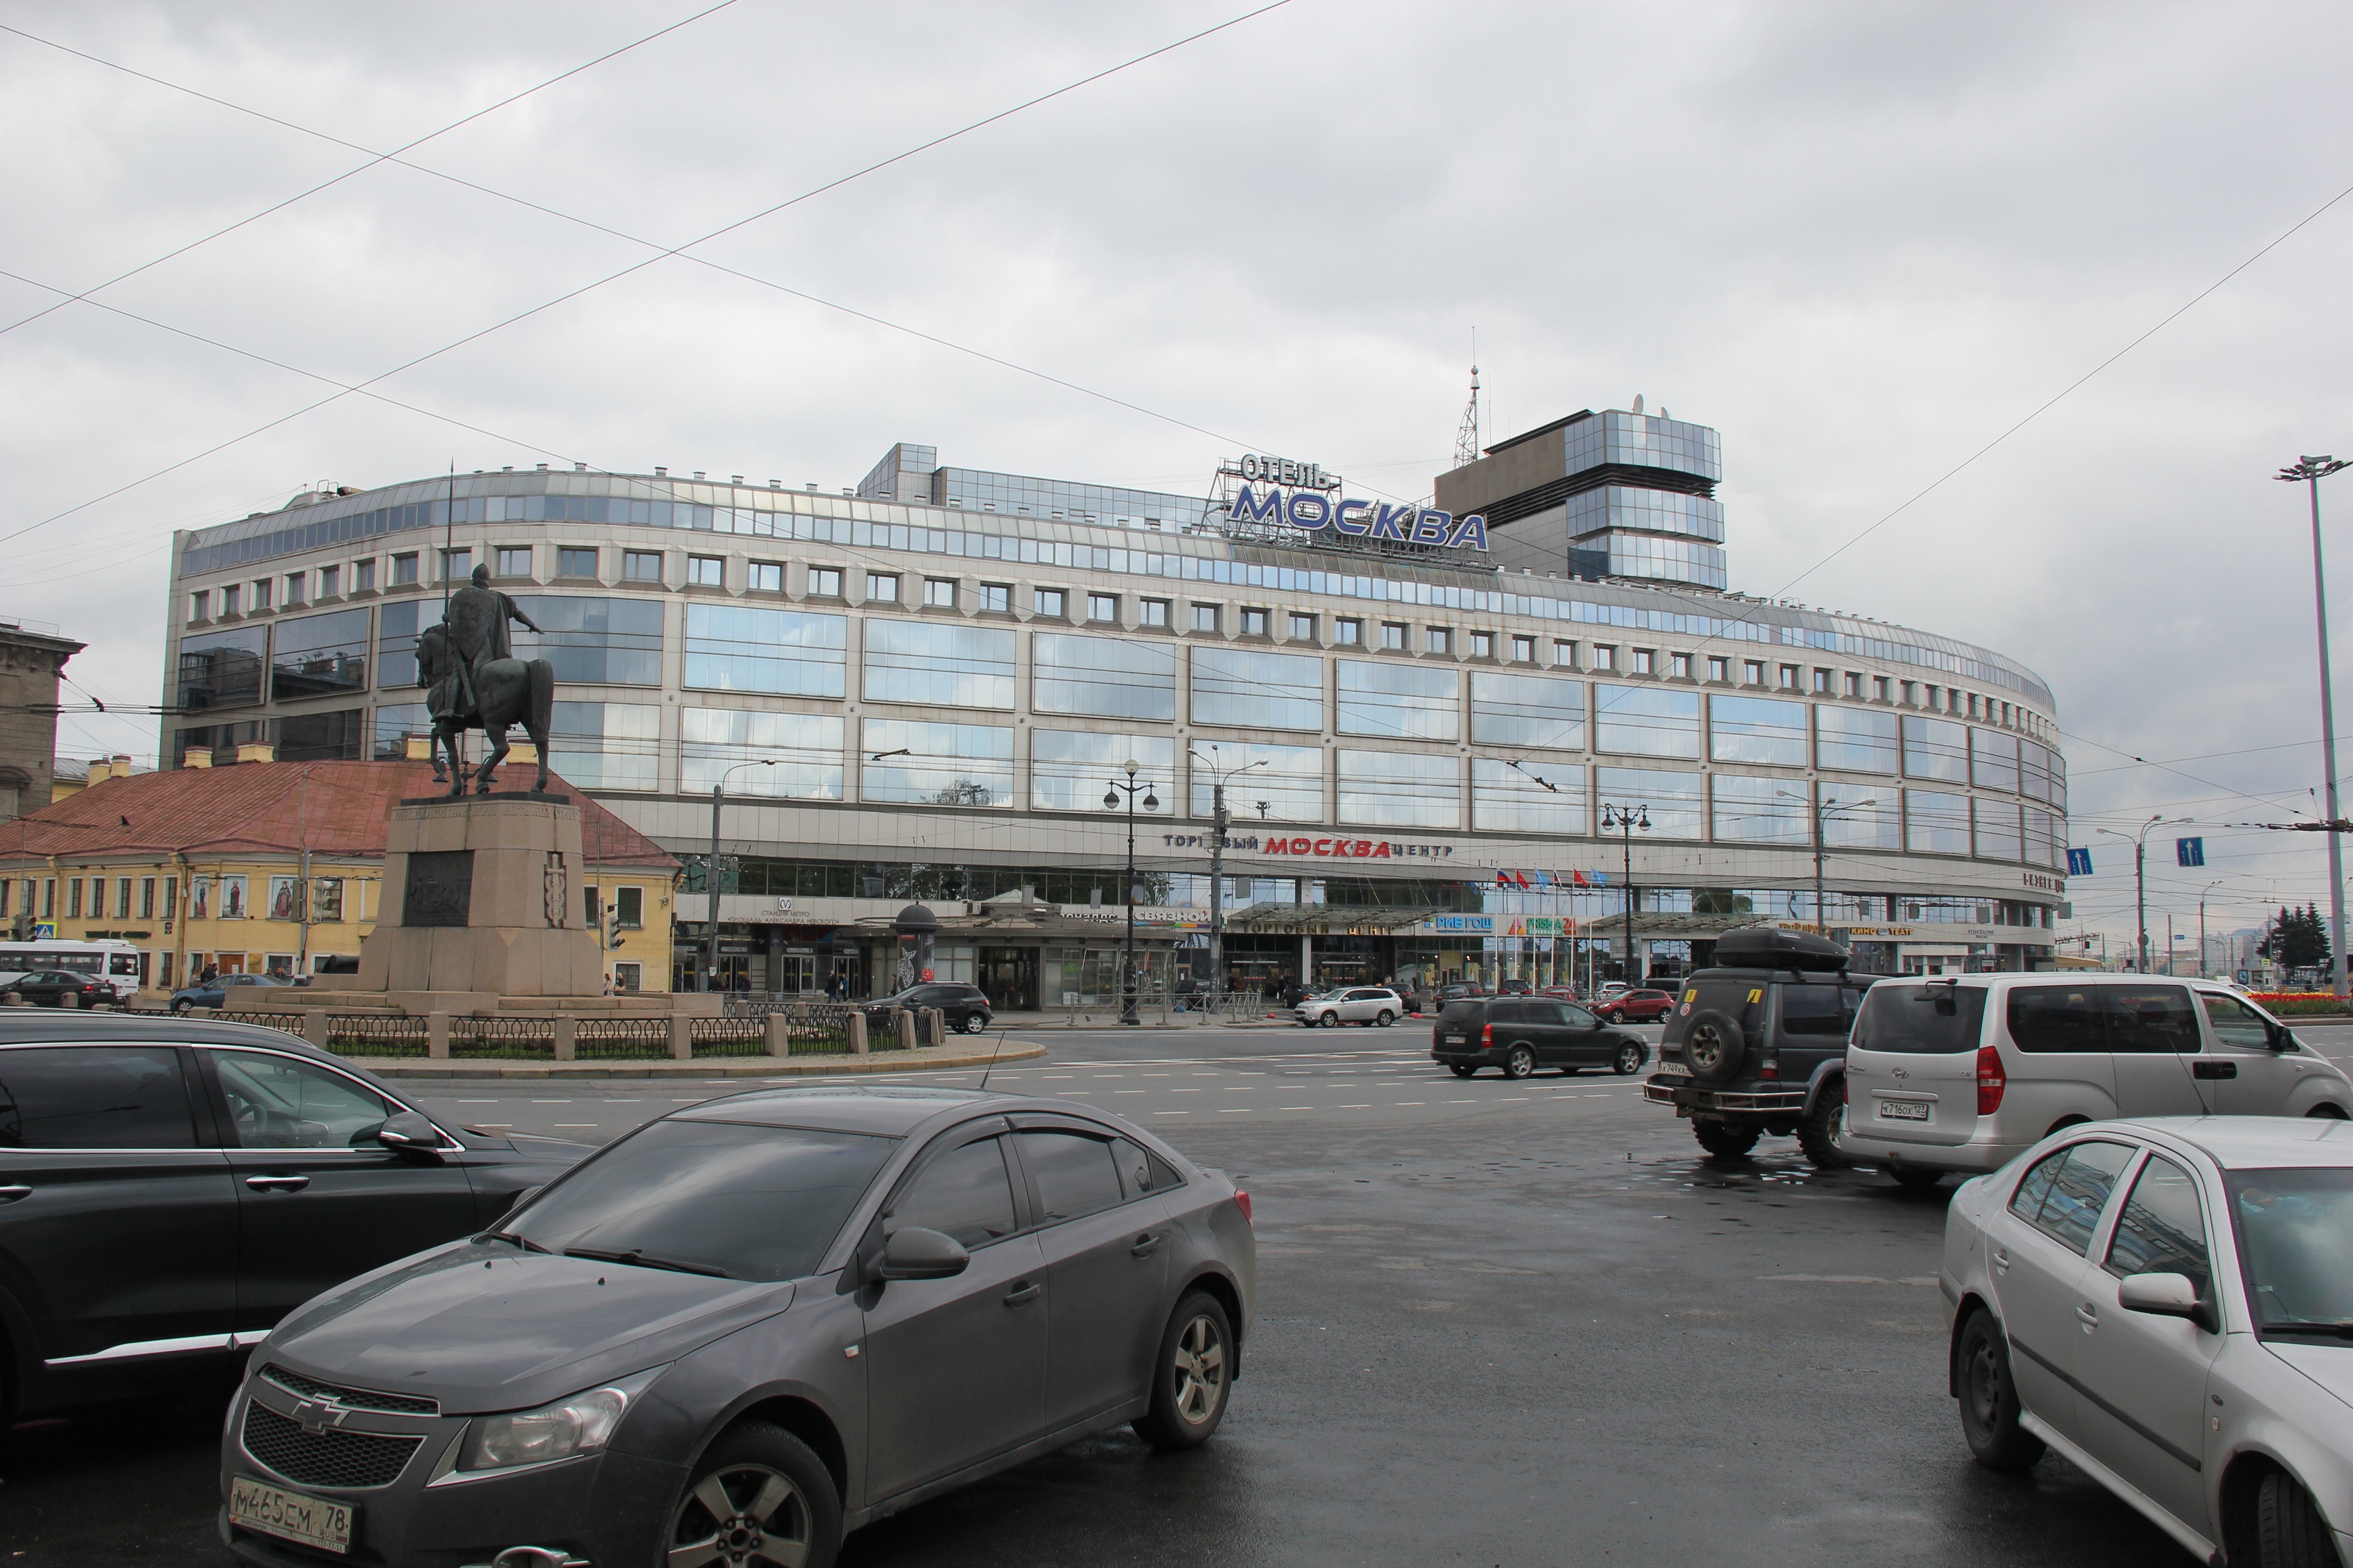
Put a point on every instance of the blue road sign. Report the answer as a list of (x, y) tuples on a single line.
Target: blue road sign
[(2079, 862), (2190, 851)]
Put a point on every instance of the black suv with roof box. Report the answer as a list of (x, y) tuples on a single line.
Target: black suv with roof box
[(1756, 1044)]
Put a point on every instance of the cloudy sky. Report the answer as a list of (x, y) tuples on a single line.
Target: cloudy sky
[(1863, 241)]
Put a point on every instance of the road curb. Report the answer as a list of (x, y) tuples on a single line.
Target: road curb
[(927, 1059)]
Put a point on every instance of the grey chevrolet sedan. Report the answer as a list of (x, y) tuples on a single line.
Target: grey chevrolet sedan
[(744, 1329)]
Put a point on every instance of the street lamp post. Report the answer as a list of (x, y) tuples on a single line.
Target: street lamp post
[(1219, 821), (2201, 923), (1127, 1012), (2310, 471), (710, 871), (1622, 820), (1829, 808), (2141, 881)]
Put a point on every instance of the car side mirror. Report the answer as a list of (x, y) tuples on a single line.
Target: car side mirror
[(2280, 1038), (411, 1132), (2164, 1296), (914, 1253)]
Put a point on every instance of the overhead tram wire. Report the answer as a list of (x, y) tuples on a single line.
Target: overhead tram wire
[(374, 159), (664, 254)]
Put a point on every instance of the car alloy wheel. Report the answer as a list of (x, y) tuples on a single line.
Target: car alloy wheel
[(1386, 1018), (1629, 1060), (744, 1511), (1521, 1063), (1330, 1020), (1194, 1374), (974, 1023)]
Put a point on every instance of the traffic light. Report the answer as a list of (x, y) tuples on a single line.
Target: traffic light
[(612, 931)]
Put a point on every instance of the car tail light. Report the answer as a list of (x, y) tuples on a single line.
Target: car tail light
[(1991, 1081), (1769, 1067), (1487, 1033), (1242, 1202)]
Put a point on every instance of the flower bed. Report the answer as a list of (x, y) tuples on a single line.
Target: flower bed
[(2293, 1004)]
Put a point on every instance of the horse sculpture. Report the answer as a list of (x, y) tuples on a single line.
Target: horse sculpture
[(507, 691)]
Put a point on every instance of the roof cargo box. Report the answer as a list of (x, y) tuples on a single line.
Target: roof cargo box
[(1763, 947)]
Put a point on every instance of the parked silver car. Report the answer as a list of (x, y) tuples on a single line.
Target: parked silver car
[(1961, 1074), (744, 1330), (1366, 1004), (2169, 1304)]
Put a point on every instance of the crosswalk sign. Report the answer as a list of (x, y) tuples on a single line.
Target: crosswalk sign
[(2079, 862), (2190, 851)]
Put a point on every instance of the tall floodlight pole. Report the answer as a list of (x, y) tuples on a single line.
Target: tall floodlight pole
[(711, 872), (1219, 821), (1127, 1012), (1622, 820), (2202, 924), (2310, 471)]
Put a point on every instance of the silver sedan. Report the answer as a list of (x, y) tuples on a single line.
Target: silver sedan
[(2169, 1303)]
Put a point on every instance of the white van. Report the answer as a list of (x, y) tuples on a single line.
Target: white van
[(1960, 1074)]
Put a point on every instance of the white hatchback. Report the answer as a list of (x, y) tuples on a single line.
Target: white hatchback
[(2169, 1304), (1961, 1074)]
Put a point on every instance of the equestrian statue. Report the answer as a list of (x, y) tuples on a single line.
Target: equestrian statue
[(474, 682)]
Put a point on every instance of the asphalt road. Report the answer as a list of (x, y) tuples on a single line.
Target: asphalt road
[(1498, 1323)]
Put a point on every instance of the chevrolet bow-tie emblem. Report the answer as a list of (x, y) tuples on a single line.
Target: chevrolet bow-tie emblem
[(318, 1415)]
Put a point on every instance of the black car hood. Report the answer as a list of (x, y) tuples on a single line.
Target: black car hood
[(481, 1326)]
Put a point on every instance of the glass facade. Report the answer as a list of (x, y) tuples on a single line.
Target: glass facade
[(1855, 739), (1257, 691), (1393, 699), (319, 655), (1994, 759), (1936, 749), (1644, 440), (1676, 801), (1506, 799), (946, 764), (784, 653), (1103, 678), (610, 745), (1071, 769), (1872, 821), (806, 749), (1935, 822), (2001, 834), (1536, 712), (396, 626), (222, 669), (941, 663), (395, 721), (1757, 729), (1646, 721), (1750, 810), (594, 641), (1399, 789), (1278, 783)]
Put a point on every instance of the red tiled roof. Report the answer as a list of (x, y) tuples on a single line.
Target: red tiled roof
[(329, 808)]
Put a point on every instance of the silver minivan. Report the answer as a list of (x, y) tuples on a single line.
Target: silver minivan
[(1961, 1073)]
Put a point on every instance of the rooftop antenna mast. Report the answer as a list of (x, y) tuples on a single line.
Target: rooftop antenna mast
[(1466, 440)]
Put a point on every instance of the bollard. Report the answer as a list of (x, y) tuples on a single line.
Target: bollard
[(904, 1021), (682, 1037), (567, 1038), (436, 1035), (857, 1034), (314, 1026), (779, 1036), (934, 1031), (67, 999)]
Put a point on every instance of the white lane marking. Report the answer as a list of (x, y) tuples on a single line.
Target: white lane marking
[(1294, 1108), (1172, 1113), (1130, 1091), (1367, 1106), (1235, 1111), (1409, 1103), (625, 1102), (1514, 1098), (478, 1102), (551, 1102), (1462, 1102)]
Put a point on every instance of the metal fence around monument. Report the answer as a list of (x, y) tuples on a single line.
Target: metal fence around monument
[(527, 1038), (377, 1034), (600, 1040)]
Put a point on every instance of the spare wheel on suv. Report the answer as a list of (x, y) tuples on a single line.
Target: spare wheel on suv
[(1713, 1046)]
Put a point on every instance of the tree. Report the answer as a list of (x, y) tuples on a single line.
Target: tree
[(2298, 940)]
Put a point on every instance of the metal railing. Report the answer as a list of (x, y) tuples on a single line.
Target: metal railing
[(377, 1034), (285, 1022), (523, 1037), (613, 1039), (727, 1036)]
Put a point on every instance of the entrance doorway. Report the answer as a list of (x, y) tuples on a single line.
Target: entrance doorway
[(1008, 977)]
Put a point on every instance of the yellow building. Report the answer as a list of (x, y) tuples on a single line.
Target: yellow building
[(276, 867)]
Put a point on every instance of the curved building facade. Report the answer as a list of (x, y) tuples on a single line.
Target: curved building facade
[(927, 699)]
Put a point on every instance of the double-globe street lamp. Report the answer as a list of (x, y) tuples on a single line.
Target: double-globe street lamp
[(1622, 820), (2139, 842), (1220, 776), (1127, 1012), (1830, 807), (2310, 471), (711, 875)]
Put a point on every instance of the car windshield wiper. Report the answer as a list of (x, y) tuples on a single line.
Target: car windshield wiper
[(633, 1256), (2333, 1329), (510, 1236)]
